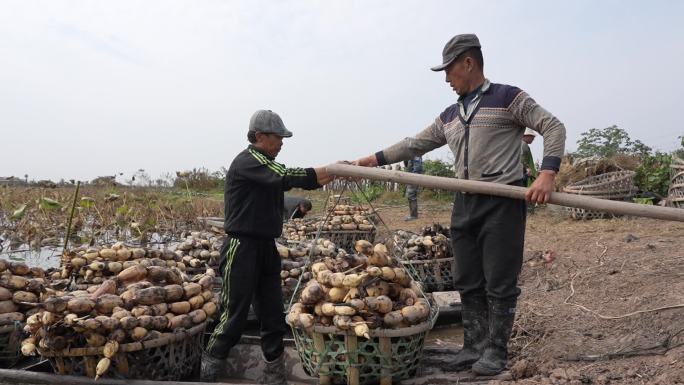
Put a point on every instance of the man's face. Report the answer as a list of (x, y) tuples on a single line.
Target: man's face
[(459, 74), (303, 209), (528, 139), (269, 143)]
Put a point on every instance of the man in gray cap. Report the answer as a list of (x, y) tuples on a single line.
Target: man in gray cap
[(483, 130), (250, 263)]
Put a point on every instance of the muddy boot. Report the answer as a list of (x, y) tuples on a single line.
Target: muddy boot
[(475, 327), (495, 357), (274, 373), (210, 368), (413, 210)]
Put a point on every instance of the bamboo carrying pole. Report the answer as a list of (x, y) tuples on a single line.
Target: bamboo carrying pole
[(472, 186)]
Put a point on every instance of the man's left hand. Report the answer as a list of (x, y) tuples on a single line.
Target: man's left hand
[(541, 189)]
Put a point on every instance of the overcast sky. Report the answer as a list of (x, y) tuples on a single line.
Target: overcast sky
[(91, 88)]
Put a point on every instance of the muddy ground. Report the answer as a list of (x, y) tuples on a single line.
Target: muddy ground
[(609, 309)]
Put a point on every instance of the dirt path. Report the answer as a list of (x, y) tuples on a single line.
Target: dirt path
[(576, 322)]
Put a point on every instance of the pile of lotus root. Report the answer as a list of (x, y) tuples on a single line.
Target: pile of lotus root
[(432, 243), (21, 288), (361, 292), (199, 249), (342, 217), (144, 300), (295, 260)]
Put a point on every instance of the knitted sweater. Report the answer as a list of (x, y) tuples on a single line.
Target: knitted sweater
[(485, 138)]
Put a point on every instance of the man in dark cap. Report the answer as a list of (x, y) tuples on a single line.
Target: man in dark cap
[(296, 207), (250, 263), (483, 130)]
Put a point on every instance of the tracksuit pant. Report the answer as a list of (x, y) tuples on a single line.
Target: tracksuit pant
[(250, 268)]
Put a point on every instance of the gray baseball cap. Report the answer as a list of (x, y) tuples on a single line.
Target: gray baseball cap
[(456, 46), (268, 122)]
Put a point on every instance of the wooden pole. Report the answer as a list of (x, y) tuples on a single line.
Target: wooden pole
[(502, 190)]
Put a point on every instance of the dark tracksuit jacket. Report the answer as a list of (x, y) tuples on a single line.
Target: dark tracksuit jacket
[(250, 264)]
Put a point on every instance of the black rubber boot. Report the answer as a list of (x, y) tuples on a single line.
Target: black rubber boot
[(413, 210), (475, 331), (210, 368), (495, 357), (274, 373)]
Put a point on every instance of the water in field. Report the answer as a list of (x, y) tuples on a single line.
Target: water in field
[(45, 257), (47, 252)]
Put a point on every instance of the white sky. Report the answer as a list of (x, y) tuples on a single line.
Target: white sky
[(91, 88)]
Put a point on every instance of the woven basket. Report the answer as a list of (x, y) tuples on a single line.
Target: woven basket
[(675, 195), (168, 358), (618, 185), (433, 274), (339, 357), (611, 185), (10, 344)]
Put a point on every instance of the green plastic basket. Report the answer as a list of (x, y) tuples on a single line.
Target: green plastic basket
[(340, 357)]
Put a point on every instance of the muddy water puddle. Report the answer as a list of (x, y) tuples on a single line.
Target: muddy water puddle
[(447, 335)]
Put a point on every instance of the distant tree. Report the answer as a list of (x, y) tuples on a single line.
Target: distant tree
[(199, 179), (680, 152), (107, 180), (438, 167), (165, 180), (46, 184), (608, 142), (141, 178), (653, 173)]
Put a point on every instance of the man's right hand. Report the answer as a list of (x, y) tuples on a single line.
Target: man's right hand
[(322, 176), (368, 161)]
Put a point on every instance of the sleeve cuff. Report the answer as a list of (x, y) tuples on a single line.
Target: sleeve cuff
[(380, 156), (551, 163), (312, 178)]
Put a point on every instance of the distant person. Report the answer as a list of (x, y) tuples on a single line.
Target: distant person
[(529, 170), (250, 264), (414, 165), (296, 207)]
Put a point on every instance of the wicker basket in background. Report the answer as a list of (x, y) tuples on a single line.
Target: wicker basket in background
[(618, 185), (675, 195)]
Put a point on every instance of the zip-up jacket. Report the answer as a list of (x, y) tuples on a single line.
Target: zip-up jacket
[(485, 135), (254, 193)]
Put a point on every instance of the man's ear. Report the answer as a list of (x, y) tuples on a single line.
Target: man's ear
[(469, 63)]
